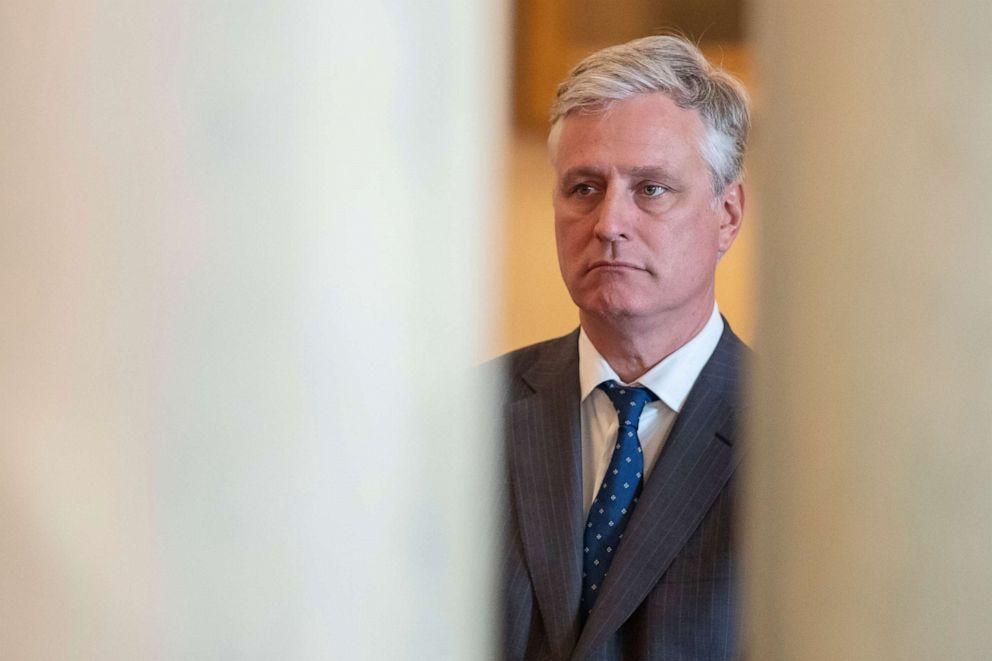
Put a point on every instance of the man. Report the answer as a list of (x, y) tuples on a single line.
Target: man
[(622, 436)]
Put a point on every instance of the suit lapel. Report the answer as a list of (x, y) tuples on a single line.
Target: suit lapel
[(546, 468), (694, 466)]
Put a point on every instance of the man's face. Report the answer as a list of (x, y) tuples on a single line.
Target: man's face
[(638, 227)]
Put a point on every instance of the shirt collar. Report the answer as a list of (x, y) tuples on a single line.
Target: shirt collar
[(671, 379)]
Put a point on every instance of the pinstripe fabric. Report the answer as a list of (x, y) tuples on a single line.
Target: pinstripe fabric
[(671, 592)]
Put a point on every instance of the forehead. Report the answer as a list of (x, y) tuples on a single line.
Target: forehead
[(643, 130)]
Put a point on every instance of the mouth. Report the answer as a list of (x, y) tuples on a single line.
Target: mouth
[(610, 265)]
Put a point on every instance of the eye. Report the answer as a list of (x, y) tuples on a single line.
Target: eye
[(583, 190), (653, 190)]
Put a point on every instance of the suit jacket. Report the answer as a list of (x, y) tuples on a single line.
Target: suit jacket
[(671, 591)]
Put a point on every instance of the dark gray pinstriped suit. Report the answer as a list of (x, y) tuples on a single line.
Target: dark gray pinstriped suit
[(671, 590)]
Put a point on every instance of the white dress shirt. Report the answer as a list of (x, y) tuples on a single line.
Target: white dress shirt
[(671, 380)]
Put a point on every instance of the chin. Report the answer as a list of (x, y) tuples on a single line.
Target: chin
[(611, 308)]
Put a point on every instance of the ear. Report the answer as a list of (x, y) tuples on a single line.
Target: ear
[(731, 212)]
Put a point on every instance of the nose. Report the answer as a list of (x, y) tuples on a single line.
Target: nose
[(615, 215)]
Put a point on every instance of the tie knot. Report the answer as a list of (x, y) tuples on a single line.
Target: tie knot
[(629, 401)]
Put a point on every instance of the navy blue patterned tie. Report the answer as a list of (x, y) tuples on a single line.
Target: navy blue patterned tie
[(616, 498)]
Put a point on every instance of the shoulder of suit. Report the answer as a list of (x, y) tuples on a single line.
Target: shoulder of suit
[(513, 362), (729, 341), (507, 369)]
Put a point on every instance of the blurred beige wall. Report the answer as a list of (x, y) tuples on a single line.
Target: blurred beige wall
[(869, 508), (236, 319)]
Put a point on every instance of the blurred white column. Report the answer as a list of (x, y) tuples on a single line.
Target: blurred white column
[(870, 508), (243, 260)]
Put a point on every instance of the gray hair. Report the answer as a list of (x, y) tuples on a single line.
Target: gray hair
[(676, 67)]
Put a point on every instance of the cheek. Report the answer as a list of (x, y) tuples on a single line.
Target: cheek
[(563, 243), (705, 236), (569, 236), (685, 251)]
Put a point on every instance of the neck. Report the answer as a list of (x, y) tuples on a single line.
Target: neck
[(632, 346)]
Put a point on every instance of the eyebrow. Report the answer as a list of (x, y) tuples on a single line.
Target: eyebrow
[(651, 172), (581, 171), (642, 171)]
